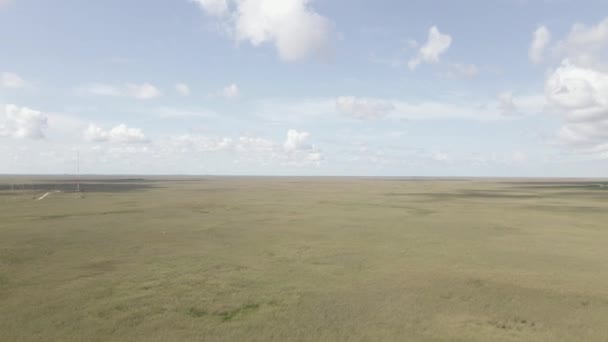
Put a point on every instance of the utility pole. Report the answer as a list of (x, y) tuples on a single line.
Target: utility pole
[(77, 171)]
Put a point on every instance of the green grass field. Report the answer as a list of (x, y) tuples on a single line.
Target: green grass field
[(304, 259)]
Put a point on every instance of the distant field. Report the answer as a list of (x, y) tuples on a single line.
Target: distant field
[(303, 259)]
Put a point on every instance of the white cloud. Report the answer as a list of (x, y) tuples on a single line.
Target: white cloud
[(11, 80), (120, 134), (363, 108), (315, 157), (506, 103), (576, 89), (230, 91), (126, 135), (298, 151), (580, 91), (440, 157), (584, 134), (247, 144), (102, 89), (295, 151), (213, 7), (586, 46), (143, 91), (22, 122), (296, 141), (296, 29), (579, 95), (436, 45), (527, 105), (310, 111), (182, 89), (540, 41), (95, 133), (484, 111), (199, 143)]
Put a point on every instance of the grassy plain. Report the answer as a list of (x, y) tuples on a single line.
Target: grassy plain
[(304, 259)]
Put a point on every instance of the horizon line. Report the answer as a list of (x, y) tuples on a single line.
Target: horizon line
[(293, 176)]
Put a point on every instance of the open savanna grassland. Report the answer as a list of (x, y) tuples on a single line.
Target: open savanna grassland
[(304, 259)]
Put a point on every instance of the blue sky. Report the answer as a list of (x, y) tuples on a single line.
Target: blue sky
[(305, 87)]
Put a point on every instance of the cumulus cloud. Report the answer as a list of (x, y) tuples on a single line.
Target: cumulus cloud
[(576, 89), (126, 135), (200, 143), (580, 91), (213, 7), (586, 46), (95, 133), (230, 91), (296, 141), (241, 144), (436, 45), (120, 134), (22, 122), (11, 80), (182, 89), (540, 41), (295, 150), (295, 29), (298, 150), (579, 95), (144, 91), (248, 144), (363, 108)]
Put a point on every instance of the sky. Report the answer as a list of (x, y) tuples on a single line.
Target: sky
[(503, 88)]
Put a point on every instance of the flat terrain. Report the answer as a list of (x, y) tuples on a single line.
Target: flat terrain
[(303, 259)]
